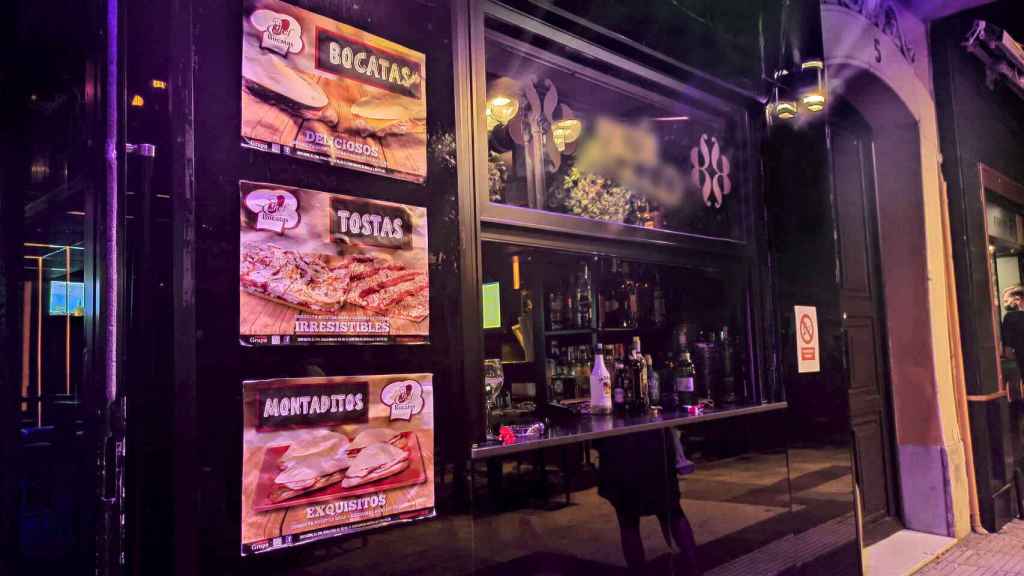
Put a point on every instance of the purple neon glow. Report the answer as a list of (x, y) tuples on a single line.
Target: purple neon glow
[(110, 247)]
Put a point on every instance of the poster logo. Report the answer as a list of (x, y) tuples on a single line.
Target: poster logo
[(710, 171), (404, 398), (276, 210), (281, 33)]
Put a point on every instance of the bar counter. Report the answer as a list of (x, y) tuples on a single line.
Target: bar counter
[(592, 427)]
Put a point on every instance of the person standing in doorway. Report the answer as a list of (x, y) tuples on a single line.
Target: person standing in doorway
[(1013, 333)]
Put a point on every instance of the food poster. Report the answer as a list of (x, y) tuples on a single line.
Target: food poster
[(323, 457), (321, 90), (319, 268)]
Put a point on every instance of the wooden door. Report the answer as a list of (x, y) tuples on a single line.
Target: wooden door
[(853, 171)]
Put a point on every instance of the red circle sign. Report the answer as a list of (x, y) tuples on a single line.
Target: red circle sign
[(806, 329)]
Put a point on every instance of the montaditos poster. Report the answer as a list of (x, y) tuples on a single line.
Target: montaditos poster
[(325, 457), (320, 268), (321, 90)]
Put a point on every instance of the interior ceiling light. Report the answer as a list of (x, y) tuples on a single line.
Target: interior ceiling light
[(566, 131), (137, 101), (502, 108)]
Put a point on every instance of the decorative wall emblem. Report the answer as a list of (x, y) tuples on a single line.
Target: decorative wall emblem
[(710, 171), (882, 15)]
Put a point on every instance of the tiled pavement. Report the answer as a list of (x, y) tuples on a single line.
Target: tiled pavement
[(1000, 554)]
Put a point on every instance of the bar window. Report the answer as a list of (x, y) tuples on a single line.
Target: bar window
[(559, 310)]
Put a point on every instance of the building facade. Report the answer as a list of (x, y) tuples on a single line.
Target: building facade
[(322, 287)]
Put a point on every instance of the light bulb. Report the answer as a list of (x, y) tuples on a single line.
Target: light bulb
[(503, 108), (565, 132), (813, 94), (814, 102), (785, 109)]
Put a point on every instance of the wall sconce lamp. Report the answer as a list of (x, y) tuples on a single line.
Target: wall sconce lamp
[(813, 91), (781, 105), (810, 85)]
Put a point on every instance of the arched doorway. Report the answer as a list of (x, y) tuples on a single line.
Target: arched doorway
[(893, 387)]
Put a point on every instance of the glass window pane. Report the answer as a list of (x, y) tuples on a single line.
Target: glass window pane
[(572, 134)]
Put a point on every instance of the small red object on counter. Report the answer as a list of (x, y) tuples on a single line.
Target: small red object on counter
[(506, 435)]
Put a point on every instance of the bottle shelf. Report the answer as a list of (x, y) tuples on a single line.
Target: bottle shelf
[(570, 332), (581, 331), (638, 330)]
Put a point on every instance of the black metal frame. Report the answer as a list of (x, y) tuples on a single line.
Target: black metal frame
[(501, 223)]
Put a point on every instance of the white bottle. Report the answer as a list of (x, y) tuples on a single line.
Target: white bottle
[(600, 385)]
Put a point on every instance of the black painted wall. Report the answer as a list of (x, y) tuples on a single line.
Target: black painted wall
[(978, 125)]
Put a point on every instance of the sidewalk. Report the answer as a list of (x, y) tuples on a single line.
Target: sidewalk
[(1000, 554)]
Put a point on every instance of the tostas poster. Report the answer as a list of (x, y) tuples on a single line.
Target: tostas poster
[(325, 457), (321, 90), (320, 268)]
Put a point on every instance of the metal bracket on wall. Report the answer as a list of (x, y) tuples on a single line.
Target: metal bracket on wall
[(144, 150)]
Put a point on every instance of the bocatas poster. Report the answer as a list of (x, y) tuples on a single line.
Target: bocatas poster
[(320, 268), (321, 90), (324, 457)]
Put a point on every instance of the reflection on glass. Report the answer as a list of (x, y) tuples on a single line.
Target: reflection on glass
[(637, 476), (589, 141), (1005, 229)]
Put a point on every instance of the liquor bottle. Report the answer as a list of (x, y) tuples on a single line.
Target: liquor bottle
[(620, 389), (584, 300), (600, 384), (658, 310), (728, 383), (555, 302), (584, 362), (612, 298), (653, 382), (686, 393), (707, 365), (638, 374), (682, 338), (569, 305), (630, 298)]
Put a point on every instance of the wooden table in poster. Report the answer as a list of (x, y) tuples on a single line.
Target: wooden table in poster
[(402, 153), (265, 317), (275, 522)]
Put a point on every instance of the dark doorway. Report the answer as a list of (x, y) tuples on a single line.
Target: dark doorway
[(861, 301)]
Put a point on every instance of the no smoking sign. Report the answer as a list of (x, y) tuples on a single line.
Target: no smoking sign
[(808, 353)]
